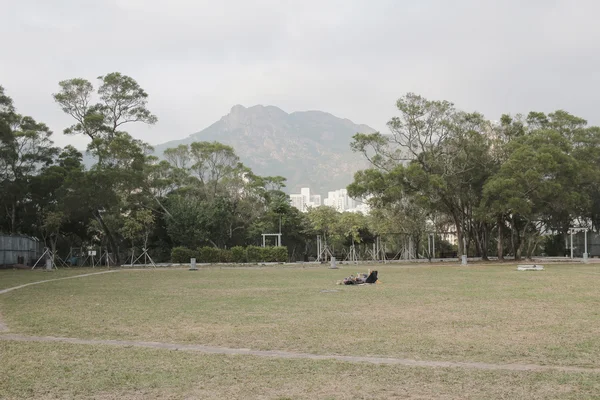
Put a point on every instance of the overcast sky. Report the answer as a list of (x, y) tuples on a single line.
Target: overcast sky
[(352, 58)]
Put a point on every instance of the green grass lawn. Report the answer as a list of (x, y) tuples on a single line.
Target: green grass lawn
[(488, 313), (62, 371), (15, 277)]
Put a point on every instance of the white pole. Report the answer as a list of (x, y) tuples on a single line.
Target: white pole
[(429, 244), (571, 244), (585, 255)]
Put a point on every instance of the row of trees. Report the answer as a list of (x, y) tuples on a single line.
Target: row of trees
[(499, 187), (198, 195)]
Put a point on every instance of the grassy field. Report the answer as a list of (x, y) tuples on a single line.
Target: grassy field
[(15, 277), (49, 371), (486, 313)]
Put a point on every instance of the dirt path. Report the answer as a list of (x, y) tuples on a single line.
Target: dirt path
[(290, 355), (52, 280)]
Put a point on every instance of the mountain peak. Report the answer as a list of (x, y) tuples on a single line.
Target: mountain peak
[(309, 148), (238, 108), (259, 109)]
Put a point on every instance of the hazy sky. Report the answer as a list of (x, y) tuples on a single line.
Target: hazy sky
[(352, 58)]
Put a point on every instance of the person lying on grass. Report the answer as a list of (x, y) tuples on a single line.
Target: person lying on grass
[(360, 279)]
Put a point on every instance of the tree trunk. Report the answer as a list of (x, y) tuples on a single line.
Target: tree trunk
[(522, 242), (515, 239), (53, 245), (478, 245), (500, 239), (459, 237), (13, 219), (111, 240), (484, 242)]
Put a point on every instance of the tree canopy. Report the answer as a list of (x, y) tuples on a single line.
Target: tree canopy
[(497, 187)]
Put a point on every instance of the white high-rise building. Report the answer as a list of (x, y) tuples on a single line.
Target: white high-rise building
[(340, 200), (337, 199), (297, 200), (304, 200), (315, 199)]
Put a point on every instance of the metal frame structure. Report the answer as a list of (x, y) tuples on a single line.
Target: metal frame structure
[(265, 235), (52, 258), (585, 250), (352, 255), (323, 249), (91, 253), (144, 254)]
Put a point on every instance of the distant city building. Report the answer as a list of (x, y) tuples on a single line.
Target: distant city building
[(337, 199), (297, 200), (316, 200), (304, 200)]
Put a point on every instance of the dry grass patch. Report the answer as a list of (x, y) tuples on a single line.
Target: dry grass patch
[(488, 313), (62, 371)]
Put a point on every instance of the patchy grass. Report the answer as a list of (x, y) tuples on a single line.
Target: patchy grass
[(15, 277), (488, 313), (52, 370)]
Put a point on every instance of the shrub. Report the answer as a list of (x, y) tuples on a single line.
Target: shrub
[(225, 256), (274, 254), (268, 254), (254, 254), (238, 254), (280, 254), (182, 254), (209, 254)]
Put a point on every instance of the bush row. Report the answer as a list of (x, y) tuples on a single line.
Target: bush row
[(236, 254)]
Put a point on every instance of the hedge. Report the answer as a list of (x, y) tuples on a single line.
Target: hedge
[(254, 254), (267, 254), (280, 254), (209, 254), (182, 254), (238, 254), (225, 256)]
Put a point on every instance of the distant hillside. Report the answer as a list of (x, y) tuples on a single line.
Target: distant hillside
[(309, 148)]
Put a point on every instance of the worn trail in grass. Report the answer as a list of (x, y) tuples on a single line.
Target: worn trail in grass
[(16, 278), (289, 355), (61, 370)]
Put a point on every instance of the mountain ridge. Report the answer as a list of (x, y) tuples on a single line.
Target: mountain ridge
[(310, 148)]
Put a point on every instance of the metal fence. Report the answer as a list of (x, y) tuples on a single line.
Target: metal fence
[(16, 249)]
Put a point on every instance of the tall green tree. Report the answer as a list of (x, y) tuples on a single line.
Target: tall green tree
[(25, 149)]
